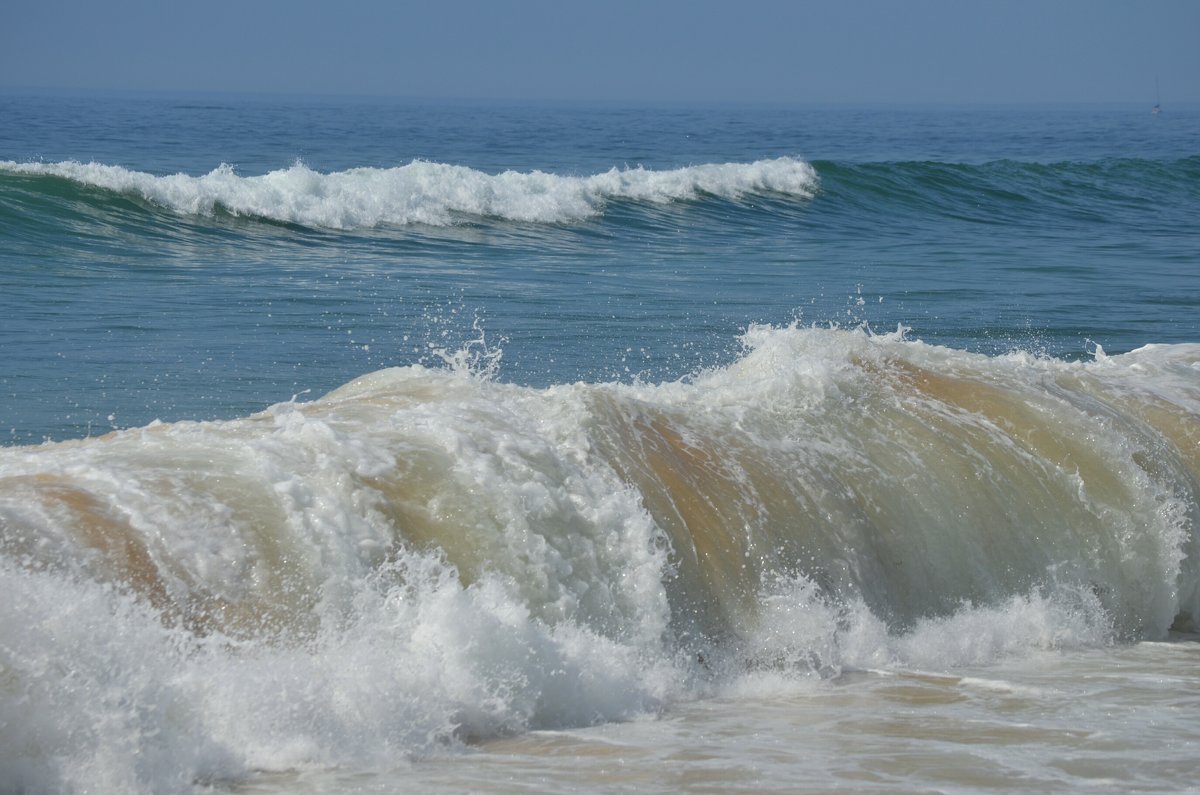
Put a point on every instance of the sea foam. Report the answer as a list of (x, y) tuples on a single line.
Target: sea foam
[(423, 192), (425, 557)]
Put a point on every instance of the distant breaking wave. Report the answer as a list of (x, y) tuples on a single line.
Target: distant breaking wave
[(1141, 192), (423, 192)]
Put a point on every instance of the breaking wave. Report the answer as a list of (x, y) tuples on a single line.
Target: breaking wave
[(423, 192), (427, 556)]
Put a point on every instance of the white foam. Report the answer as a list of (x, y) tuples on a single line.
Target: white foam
[(443, 556), (97, 695), (423, 192)]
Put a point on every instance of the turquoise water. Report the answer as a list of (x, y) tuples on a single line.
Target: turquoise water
[(1043, 229), (369, 446)]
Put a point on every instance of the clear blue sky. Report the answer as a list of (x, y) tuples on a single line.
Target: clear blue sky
[(704, 50)]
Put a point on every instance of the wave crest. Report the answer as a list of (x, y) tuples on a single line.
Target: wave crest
[(424, 192), (426, 556)]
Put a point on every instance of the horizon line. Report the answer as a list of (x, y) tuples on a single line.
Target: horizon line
[(577, 101)]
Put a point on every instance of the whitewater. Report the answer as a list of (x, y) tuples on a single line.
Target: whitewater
[(568, 449), (425, 557), (427, 193)]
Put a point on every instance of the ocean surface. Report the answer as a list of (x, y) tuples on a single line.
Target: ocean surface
[(364, 445)]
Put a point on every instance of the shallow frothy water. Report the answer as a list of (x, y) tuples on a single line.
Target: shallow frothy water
[(1104, 720)]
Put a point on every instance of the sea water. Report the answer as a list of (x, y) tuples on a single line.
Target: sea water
[(381, 445)]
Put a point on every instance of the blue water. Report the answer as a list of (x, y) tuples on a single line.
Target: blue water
[(751, 446), (1046, 229)]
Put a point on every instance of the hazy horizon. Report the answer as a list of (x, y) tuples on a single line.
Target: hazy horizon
[(869, 52)]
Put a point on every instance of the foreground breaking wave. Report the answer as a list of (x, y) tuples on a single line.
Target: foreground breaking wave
[(425, 556), (427, 193)]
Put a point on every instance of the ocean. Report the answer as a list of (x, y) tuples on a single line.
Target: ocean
[(369, 445)]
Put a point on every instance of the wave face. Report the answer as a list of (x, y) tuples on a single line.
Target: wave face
[(421, 192), (425, 556), (1148, 193), (1006, 191)]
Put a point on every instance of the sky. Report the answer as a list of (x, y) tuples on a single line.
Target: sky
[(852, 51)]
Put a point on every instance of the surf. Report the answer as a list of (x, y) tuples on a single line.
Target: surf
[(427, 556), (424, 192), (843, 456)]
